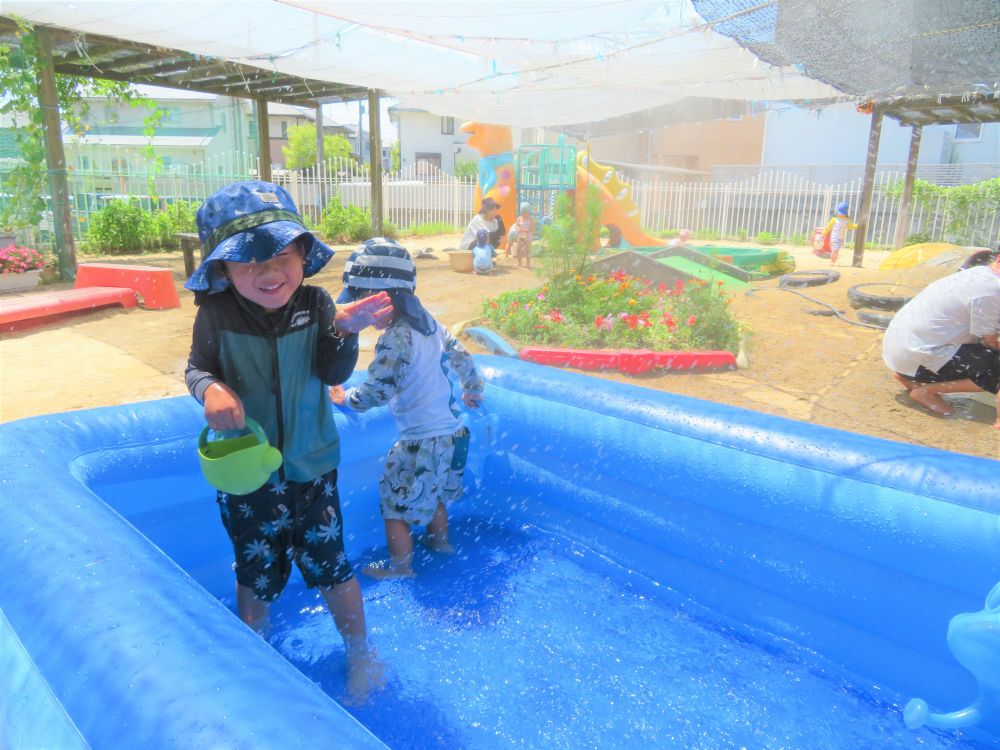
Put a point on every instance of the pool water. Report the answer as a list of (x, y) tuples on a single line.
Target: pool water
[(527, 639)]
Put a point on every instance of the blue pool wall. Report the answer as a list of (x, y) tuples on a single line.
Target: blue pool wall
[(855, 548)]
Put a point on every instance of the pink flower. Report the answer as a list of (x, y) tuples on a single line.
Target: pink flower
[(555, 316), (692, 320), (604, 322), (541, 297)]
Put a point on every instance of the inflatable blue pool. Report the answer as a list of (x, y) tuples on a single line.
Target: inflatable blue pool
[(633, 569)]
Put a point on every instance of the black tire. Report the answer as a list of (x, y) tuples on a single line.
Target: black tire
[(860, 297), (876, 319), (808, 278)]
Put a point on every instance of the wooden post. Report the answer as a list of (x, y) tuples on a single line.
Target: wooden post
[(55, 157), (263, 141), (320, 159), (375, 160), (866, 191), (903, 214)]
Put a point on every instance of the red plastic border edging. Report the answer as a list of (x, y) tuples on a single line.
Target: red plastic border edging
[(630, 361)]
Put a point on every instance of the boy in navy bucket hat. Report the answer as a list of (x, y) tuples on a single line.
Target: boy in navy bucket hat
[(266, 346), (423, 471)]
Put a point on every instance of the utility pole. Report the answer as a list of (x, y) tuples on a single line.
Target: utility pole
[(361, 142)]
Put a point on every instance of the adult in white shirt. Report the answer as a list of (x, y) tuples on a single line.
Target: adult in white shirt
[(486, 219), (947, 338)]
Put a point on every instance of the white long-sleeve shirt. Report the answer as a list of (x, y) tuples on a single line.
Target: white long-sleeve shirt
[(410, 373), (957, 309)]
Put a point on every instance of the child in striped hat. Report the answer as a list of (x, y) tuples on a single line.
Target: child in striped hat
[(423, 471)]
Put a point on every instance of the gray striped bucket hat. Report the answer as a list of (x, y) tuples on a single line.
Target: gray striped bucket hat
[(379, 264)]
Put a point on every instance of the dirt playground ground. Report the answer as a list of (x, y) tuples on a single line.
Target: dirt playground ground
[(802, 366)]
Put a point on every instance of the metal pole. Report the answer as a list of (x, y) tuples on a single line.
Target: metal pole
[(903, 214), (263, 141), (375, 157), (866, 192), (62, 216)]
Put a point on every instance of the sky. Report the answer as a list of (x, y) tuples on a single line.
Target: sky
[(347, 112)]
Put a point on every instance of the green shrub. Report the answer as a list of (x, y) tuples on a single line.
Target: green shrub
[(464, 169), (917, 239), (428, 229), (800, 239), (741, 235), (340, 223), (667, 233), (176, 217), (766, 238), (706, 234), (119, 227), (567, 241)]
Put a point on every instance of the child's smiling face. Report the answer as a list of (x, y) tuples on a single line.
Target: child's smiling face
[(272, 283)]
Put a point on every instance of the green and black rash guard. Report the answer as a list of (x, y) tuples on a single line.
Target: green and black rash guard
[(279, 364)]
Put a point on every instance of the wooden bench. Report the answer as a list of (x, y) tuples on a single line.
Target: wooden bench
[(190, 244), (38, 307), (155, 285)]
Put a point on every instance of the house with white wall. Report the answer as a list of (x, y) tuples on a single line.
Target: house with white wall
[(429, 139), (837, 136)]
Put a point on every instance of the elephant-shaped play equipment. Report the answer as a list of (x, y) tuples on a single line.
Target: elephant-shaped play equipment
[(974, 639)]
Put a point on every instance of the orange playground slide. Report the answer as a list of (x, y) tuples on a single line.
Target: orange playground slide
[(616, 196)]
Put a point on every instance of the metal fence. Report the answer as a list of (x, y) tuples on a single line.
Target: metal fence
[(790, 207), (786, 205)]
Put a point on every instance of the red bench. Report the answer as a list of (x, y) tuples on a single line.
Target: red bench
[(37, 307), (155, 285)]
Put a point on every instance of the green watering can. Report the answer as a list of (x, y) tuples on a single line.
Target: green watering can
[(238, 465)]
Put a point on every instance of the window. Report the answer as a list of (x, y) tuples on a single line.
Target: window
[(968, 131), (284, 129), (447, 126), (427, 163)]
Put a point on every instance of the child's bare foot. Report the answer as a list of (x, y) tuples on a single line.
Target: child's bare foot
[(908, 383), (364, 674), (438, 544), (931, 400), (390, 571)]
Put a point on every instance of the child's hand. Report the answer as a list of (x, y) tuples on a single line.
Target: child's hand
[(472, 400), (223, 408), (371, 311), (993, 342), (338, 395)]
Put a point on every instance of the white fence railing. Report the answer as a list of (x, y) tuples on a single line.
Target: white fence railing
[(791, 207), (786, 205)]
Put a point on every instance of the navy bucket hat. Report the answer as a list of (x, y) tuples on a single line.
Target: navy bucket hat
[(249, 222)]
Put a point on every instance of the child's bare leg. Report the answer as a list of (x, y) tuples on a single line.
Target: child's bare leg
[(253, 611), (364, 671), (930, 395), (908, 383), (996, 425), (400, 542), (437, 531)]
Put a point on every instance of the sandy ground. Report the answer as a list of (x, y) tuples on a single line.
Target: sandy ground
[(802, 366)]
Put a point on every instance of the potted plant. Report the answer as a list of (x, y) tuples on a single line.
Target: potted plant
[(20, 268)]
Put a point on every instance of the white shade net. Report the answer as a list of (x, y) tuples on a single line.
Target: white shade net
[(516, 63)]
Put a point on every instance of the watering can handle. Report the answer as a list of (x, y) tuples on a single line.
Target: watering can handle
[(251, 424)]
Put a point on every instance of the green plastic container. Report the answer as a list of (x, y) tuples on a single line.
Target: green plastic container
[(238, 465)]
